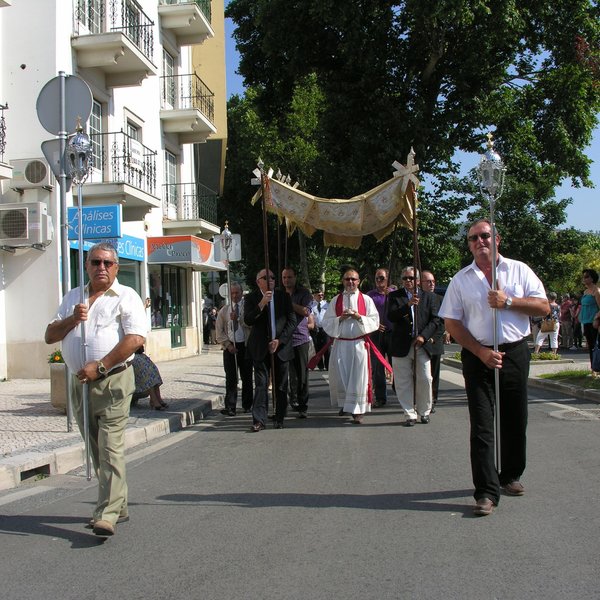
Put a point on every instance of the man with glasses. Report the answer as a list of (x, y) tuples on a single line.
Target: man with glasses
[(270, 314), (351, 316), (381, 337), (467, 310), (318, 307), (115, 327), (414, 315), (437, 341)]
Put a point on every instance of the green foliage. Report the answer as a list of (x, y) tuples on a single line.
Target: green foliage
[(545, 356), (578, 377), (338, 91)]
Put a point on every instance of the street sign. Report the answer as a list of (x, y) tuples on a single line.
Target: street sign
[(99, 222), (78, 104), (235, 251), (51, 150), (223, 290)]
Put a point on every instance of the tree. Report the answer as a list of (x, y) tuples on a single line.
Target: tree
[(435, 75)]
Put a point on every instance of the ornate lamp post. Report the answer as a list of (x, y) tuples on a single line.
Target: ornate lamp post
[(79, 156), (491, 173)]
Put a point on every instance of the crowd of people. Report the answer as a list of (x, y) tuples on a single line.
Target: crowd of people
[(391, 336)]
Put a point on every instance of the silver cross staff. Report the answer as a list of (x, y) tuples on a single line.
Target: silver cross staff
[(79, 157), (491, 173), (226, 244)]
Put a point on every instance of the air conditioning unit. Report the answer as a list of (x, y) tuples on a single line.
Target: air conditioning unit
[(25, 224), (31, 173)]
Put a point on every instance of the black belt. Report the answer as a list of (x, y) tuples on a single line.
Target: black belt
[(509, 345)]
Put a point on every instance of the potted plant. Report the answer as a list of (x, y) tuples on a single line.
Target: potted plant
[(58, 380)]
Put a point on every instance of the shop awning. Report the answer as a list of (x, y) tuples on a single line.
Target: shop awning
[(184, 251)]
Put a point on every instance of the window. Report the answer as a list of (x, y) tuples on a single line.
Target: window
[(169, 83), (171, 180), (168, 300), (95, 129), (89, 14)]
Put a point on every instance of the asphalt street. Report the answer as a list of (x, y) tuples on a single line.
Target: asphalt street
[(322, 509)]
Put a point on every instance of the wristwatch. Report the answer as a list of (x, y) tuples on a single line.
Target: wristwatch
[(508, 303), (102, 370)]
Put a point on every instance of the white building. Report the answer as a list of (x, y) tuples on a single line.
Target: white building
[(150, 106)]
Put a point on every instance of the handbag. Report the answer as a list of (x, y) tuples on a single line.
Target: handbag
[(548, 325), (596, 356)]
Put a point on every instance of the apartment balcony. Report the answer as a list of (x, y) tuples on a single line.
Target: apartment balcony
[(187, 108), (188, 20), (116, 37), (5, 169), (123, 172), (189, 209)]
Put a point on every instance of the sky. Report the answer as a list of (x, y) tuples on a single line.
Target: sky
[(583, 213)]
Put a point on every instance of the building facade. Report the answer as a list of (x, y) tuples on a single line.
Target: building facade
[(157, 150)]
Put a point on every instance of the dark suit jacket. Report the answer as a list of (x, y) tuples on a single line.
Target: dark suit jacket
[(437, 339), (285, 323), (400, 315)]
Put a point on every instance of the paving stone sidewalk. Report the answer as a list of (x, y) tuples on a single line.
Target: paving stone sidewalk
[(34, 437)]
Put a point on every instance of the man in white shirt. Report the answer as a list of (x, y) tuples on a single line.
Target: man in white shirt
[(468, 316), (232, 334), (115, 326), (318, 307)]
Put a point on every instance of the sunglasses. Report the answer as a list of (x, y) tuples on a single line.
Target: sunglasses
[(486, 235), (380, 278), (407, 278), (350, 278), (272, 277), (96, 262)]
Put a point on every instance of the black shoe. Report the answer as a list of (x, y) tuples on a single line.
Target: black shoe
[(231, 412), (302, 414), (341, 413), (224, 411), (278, 425), (410, 422), (294, 405), (257, 427), (432, 409), (379, 403), (425, 419)]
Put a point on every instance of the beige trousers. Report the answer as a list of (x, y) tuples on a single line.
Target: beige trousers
[(109, 402)]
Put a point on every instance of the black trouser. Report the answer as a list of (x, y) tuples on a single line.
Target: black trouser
[(320, 338), (381, 339), (590, 337), (436, 360), (479, 384), (299, 378), (262, 370), (244, 367)]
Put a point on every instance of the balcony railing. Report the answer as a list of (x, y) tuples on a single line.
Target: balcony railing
[(125, 16), (203, 5), (119, 158), (189, 202), (3, 107), (187, 91)]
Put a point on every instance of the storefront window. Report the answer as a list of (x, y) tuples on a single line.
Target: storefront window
[(168, 296)]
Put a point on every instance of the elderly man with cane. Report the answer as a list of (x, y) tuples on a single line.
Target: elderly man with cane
[(116, 322)]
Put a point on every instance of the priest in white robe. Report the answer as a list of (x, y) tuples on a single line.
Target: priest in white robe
[(350, 316)]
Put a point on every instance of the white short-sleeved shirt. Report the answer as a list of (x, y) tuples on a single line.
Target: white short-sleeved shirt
[(118, 312), (466, 300)]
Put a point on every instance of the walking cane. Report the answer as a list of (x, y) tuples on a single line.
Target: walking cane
[(491, 183), (80, 153)]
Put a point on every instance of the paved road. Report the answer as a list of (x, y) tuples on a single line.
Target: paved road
[(321, 510)]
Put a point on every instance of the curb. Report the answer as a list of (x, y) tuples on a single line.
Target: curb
[(555, 386), (16, 469)]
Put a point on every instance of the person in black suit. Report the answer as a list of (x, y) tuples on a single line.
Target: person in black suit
[(259, 306), (414, 316), (438, 339)]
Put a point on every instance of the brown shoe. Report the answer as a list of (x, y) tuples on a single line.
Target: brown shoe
[(514, 488), (121, 519), (483, 508), (104, 528)]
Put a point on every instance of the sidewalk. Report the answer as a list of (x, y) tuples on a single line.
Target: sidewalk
[(33, 435)]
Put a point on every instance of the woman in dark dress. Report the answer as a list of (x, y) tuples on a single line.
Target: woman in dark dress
[(147, 381)]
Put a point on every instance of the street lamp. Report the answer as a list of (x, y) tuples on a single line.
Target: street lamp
[(491, 173), (79, 156)]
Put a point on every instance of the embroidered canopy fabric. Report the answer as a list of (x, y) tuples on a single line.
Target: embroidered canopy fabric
[(345, 222)]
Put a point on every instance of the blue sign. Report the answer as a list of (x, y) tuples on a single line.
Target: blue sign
[(99, 222), (127, 246)]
